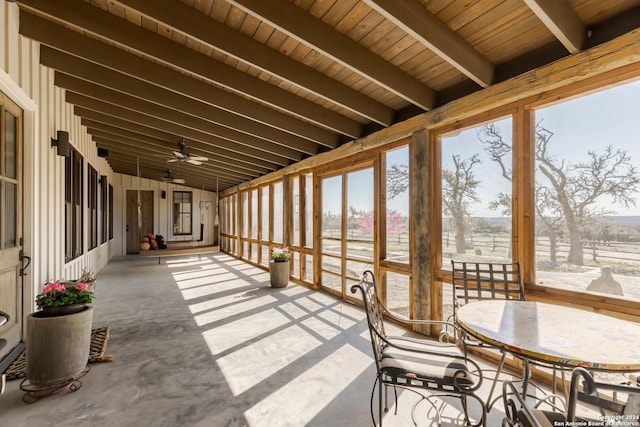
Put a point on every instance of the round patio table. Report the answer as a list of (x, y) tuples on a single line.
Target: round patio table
[(557, 335)]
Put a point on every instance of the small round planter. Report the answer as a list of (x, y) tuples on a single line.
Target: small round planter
[(279, 273), (57, 347)]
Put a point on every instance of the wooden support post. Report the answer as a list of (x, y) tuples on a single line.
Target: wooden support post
[(420, 224), (286, 214)]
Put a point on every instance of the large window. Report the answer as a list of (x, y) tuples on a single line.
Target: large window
[(397, 213), (476, 193), (588, 193), (348, 228), (110, 211), (278, 210), (295, 211), (182, 212), (9, 181), (73, 206), (395, 224), (92, 204), (104, 208), (308, 210), (264, 225)]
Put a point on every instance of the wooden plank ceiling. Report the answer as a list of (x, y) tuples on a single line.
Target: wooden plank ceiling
[(255, 85)]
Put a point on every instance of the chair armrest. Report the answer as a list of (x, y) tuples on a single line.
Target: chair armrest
[(398, 318)]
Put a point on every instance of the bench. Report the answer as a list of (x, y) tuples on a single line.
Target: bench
[(184, 243), (180, 251)]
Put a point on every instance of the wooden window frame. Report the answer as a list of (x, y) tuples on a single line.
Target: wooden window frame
[(180, 213), (104, 212), (110, 196), (74, 212), (92, 205)]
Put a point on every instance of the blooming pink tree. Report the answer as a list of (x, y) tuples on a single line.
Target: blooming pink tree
[(365, 222), (396, 223)]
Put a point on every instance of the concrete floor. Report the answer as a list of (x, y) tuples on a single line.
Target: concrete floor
[(207, 342)]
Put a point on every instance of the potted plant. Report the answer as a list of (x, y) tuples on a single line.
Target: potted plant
[(57, 299), (59, 334), (280, 255), (279, 267)]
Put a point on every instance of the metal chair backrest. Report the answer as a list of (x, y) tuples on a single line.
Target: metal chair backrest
[(475, 281), (373, 308)]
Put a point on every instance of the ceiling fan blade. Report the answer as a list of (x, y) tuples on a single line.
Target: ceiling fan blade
[(172, 160), (179, 181), (193, 162), (199, 158), (179, 154)]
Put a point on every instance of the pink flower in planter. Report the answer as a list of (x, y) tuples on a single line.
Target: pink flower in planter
[(56, 286), (55, 294)]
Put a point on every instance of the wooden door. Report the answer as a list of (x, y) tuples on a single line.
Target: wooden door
[(10, 225), (139, 223)]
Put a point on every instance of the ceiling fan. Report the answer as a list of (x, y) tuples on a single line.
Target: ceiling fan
[(170, 179), (184, 156)]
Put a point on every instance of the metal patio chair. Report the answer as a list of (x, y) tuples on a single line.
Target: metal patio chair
[(427, 367), (477, 281), (617, 405)]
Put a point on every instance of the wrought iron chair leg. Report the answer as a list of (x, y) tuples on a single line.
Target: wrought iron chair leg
[(380, 411)]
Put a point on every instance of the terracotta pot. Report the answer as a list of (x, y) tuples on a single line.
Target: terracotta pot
[(57, 347)]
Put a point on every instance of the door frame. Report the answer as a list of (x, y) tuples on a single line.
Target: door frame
[(126, 207), (30, 245)]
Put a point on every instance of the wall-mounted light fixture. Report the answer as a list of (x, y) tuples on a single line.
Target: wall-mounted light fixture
[(64, 148)]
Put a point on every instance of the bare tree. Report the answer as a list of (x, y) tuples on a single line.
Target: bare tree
[(397, 180), (575, 187), (549, 219), (458, 192)]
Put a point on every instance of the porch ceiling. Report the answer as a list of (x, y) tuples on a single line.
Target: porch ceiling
[(256, 85)]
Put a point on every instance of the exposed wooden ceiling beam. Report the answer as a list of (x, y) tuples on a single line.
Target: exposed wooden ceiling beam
[(127, 165), (74, 43), (107, 26), (129, 106), (113, 143), (414, 18), (562, 20), (161, 153), (88, 107), (297, 23), (159, 129), (106, 78)]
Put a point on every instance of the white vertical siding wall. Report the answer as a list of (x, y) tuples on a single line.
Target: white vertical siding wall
[(31, 86), (163, 209)]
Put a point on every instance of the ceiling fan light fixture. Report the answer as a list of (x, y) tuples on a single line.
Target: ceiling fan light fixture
[(184, 156)]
